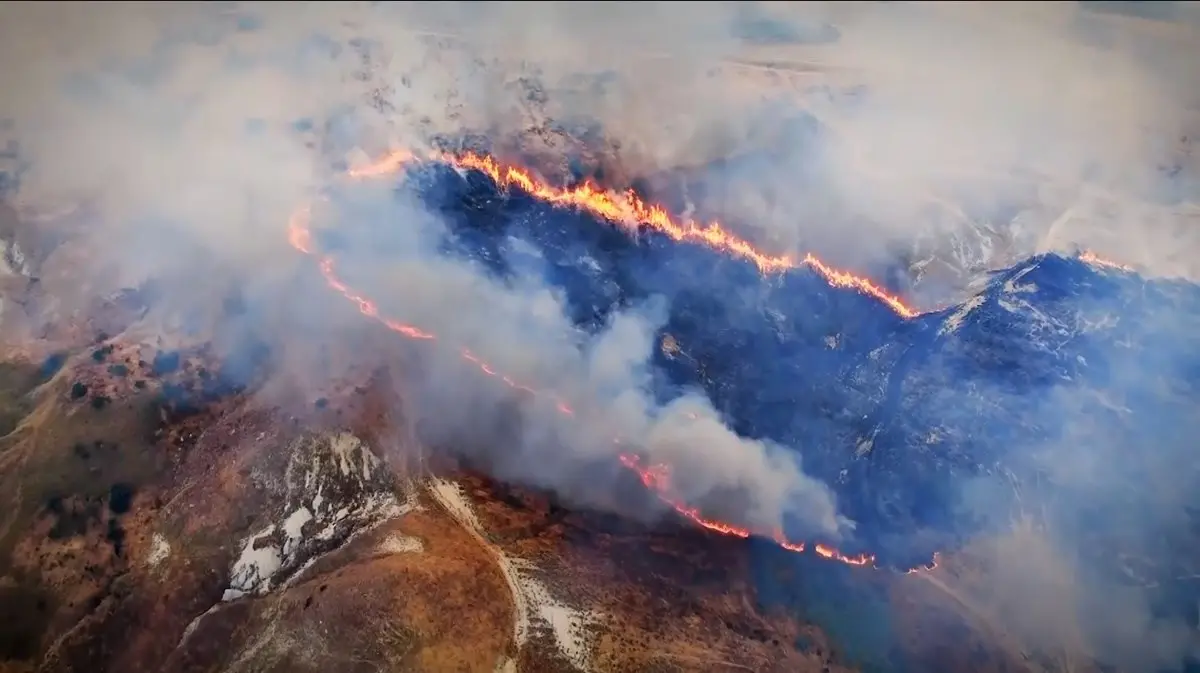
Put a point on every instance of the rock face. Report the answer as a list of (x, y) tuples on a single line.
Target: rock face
[(334, 488)]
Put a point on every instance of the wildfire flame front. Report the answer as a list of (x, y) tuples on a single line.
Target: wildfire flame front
[(628, 210)]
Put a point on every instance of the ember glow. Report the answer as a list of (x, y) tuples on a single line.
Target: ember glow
[(629, 210)]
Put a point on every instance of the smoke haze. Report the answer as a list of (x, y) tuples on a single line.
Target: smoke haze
[(190, 133), (1080, 119)]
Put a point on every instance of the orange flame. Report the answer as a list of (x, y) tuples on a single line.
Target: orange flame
[(1089, 257), (631, 211), (627, 209), (825, 551), (657, 478)]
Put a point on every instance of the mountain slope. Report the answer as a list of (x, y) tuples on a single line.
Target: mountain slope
[(897, 414)]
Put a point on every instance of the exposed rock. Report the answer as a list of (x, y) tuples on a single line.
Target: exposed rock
[(335, 488)]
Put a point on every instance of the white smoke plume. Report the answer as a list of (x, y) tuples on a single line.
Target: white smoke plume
[(966, 133), (192, 132)]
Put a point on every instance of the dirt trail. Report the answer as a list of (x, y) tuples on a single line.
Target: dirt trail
[(450, 496)]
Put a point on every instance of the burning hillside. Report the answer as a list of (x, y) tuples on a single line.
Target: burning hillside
[(159, 503), (796, 326), (771, 337), (628, 211)]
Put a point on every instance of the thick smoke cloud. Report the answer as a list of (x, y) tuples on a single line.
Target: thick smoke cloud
[(190, 132), (1079, 121)]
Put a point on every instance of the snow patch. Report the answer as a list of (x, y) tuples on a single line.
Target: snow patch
[(293, 528), (344, 447), (401, 544), (1011, 286), (409, 505), (376, 507), (334, 493), (957, 318), (160, 550), (253, 570)]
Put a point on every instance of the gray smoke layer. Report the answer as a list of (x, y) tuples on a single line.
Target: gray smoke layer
[(193, 131), (958, 135)]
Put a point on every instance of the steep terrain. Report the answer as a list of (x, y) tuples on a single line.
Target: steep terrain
[(893, 411), (159, 516), (235, 540), (162, 511), (934, 429)]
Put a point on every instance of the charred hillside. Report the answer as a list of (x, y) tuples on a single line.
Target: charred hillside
[(901, 416)]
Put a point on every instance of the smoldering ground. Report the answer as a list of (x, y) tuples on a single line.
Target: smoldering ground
[(193, 130)]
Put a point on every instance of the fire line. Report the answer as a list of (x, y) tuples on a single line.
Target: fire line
[(626, 209), (629, 210), (656, 477)]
